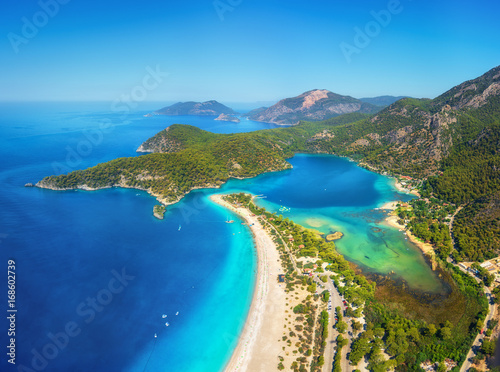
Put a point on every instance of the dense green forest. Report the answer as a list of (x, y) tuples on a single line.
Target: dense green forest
[(477, 229), (428, 221)]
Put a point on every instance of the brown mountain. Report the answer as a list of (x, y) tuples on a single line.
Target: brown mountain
[(314, 105)]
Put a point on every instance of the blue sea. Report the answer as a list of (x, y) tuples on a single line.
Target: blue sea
[(97, 276)]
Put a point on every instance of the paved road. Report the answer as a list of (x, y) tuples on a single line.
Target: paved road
[(333, 333), (450, 227)]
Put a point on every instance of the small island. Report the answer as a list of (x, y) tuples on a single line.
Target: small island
[(335, 236), (208, 108), (159, 211), (226, 117)]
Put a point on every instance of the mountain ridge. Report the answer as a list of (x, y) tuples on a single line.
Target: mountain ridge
[(313, 105), (208, 108)]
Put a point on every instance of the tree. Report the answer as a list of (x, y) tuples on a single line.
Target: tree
[(431, 330), (379, 332), (442, 367), (360, 347), (321, 361), (326, 296), (488, 347), (342, 327), (300, 309), (356, 326), (445, 333), (414, 334), (376, 358), (341, 341), (312, 288)]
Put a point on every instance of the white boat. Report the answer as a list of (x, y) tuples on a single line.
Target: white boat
[(177, 313), (164, 316), (167, 324), (155, 335), (179, 228)]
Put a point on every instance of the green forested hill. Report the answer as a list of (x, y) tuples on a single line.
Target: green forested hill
[(477, 228), (203, 160)]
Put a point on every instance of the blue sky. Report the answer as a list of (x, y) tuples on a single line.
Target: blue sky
[(249, 51)]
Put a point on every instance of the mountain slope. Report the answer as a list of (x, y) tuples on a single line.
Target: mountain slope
[(209, 108), (414, 136), (382, 100), (313, 105), (255, 111), (473, 93)]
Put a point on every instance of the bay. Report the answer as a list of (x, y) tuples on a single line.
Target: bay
[(96, 272)]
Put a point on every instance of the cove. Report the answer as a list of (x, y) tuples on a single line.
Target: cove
[(329, 194)]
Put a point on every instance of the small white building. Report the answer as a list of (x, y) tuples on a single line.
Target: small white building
[(486, 264)]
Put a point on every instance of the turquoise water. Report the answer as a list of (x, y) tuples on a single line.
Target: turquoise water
[(70, 247), (329, 194)]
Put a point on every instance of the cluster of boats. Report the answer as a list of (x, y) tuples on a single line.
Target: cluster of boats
[(167, 323)]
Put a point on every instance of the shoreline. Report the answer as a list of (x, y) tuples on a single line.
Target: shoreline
[(426, 248), (258, 347), (401, 188), (392, 220)]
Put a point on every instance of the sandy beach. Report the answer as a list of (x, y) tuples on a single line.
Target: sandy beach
[(400, 188), (389, 205), (258, 347), (392, 220), (426, 248)]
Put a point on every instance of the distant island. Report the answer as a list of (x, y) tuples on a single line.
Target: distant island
[(314, 105), (382, 101), (209, 108), (226, 117)]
